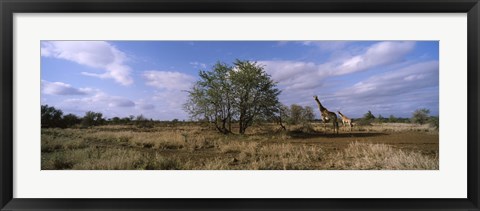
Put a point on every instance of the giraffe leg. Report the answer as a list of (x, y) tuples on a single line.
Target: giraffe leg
[(335, 126)]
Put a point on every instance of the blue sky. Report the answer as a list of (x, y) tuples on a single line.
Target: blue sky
[(122, 78)]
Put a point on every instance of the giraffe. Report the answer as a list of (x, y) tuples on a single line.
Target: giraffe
[(327, 116), (346, 120)]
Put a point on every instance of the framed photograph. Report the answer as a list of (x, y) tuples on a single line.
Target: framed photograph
[(265, 105)]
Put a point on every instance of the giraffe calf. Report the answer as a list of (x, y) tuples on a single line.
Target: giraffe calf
[(346, 121)]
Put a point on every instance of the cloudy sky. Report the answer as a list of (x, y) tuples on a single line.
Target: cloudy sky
[(122, 78)]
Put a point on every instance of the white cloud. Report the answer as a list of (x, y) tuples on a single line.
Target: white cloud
[(198, 65), (413, 77), (327, 45), (60, 88), (382, 53), (117, 106), (144, 105), (397, 92), (100, 100), (96, 54), (168, 80), (302, 75), (121, 103), (171, 92), (173, 98)]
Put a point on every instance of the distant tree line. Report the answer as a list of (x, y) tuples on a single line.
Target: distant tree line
[(291, 115), (52, 117), (419, 116)]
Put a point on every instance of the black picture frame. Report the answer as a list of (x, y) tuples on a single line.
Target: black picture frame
[(10, 7)]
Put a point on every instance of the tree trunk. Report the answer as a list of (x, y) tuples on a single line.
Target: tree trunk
[(241, 129), (281, 123), (230, 124)]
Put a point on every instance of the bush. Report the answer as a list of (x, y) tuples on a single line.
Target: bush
[(71, 120), (51, 117), (142, 122), (434, 122), (363, 122), (92, 119), (420, 116), (297, 114), (392, 119), (368, 116)]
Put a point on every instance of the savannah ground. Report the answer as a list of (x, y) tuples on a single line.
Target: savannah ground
[(196, 146)]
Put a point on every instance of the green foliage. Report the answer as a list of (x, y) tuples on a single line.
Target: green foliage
[(420, 116), (308, 114), (434, 121), (211, 98), (70, 120), (241, 93), (363, 122), (140, 118), (295, 114), (142, 122), (299, 115), (126, 120), (92, 119), (368, 116), (380, 119), (116, 120), (367, 120), (51, 117), (256, 93), (392, 119)]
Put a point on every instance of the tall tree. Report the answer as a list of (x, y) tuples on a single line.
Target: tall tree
[(308, 114), (296, 114), (255, 93), (243, 93), (211, 98)]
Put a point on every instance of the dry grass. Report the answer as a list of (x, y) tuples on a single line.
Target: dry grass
[(193, 147), (107, 159), (396, 127), (380, 156)]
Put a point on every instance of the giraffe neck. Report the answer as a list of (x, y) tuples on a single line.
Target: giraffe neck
[(320, 106)]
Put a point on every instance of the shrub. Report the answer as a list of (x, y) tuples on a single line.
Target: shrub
[(51, 117), (364, 122), (92, 119), (420, 116), (434, 122)]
